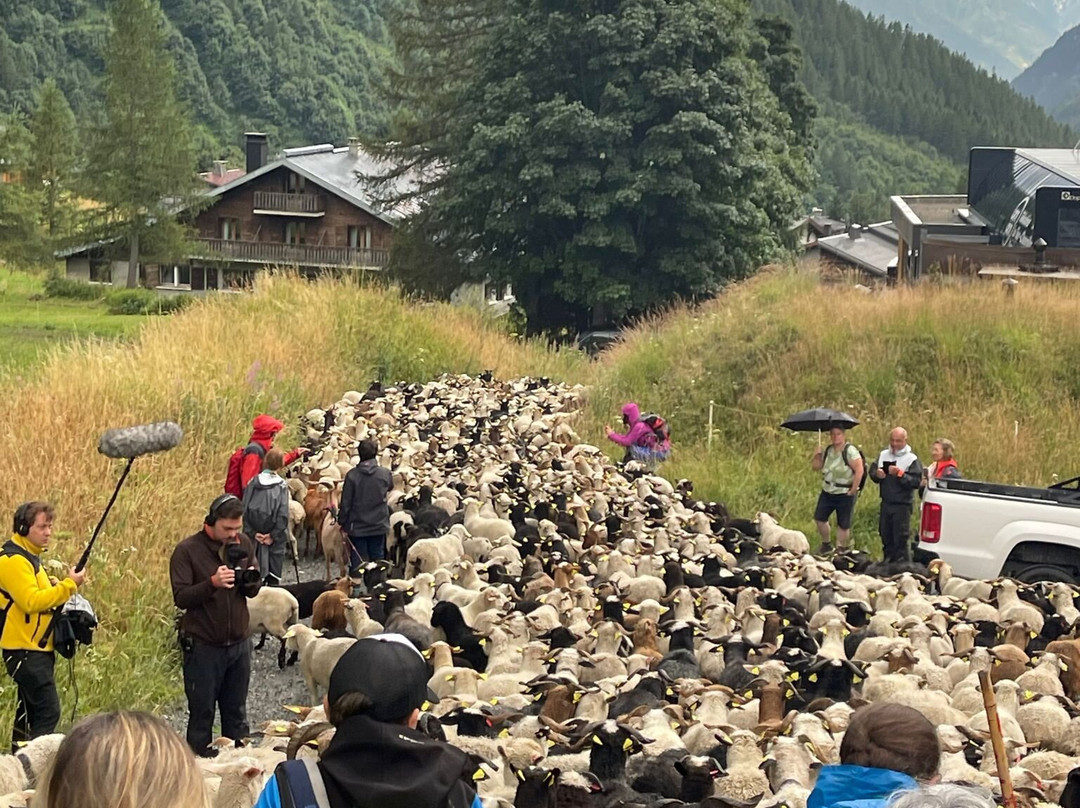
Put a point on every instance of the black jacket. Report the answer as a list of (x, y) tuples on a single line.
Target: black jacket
[(370, 764), (212, 616), (363, 510), (898, 490)]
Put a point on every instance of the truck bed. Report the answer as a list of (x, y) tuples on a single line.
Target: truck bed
[(1069, 497)]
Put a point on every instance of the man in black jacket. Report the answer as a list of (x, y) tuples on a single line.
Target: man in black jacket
[(377, 757), (213, 572), (898, 472), (364, 516)]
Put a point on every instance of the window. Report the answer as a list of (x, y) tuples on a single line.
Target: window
[(359, 237), (295, 232), (229, 228), (295, 183)]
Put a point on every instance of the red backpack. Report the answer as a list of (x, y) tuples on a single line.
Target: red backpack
[(659, 427), (234, 483)]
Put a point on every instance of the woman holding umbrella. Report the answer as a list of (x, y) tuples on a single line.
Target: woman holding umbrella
[(842, 468)]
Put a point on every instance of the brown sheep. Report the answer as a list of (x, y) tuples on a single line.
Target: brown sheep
[(645, 641), (328, 612), (316, 503), (1069, 651), (1009, 662)]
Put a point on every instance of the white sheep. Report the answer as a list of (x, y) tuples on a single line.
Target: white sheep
[(317, 656), (774, 535), (359, 621)]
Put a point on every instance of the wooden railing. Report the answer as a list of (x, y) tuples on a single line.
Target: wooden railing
[(289, 203), (265, 252)]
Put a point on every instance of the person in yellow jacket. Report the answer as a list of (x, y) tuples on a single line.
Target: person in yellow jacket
[(27, 598)]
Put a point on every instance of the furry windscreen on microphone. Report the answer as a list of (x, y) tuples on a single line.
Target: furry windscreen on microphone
[(133, 441)]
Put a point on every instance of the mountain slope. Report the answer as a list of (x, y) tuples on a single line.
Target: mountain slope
[(1054, 80), (1003, 36), (302, 70)]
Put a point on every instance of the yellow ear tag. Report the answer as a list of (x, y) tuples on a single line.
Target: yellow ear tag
[(813, 677), (484, 676), (793, 676), (1064, 667), (749, 694), (997, 661), (520, 775), (482, 642), (755, 670), (596, 740), (537, 697), (577, 696), (627, 744), (1034, 635), (787, 622), (856, 679), (789, 694), (504, 733), (626, 605), (449, 677), (845, 632), (669, 692), (674, 724), (479, 775), (1028, 694), (593, 633), (550, 743)]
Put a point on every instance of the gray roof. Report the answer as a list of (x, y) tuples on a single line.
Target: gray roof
[(872, 248), (335, 170), (1065, 162)]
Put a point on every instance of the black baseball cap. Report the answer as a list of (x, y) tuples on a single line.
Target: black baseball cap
[(389, 670)]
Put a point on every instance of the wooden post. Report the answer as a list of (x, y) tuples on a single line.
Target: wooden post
[(708, 438), (1007, 795)]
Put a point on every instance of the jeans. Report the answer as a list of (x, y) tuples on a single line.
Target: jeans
[(363, 549), (38, 710), (216, 677)]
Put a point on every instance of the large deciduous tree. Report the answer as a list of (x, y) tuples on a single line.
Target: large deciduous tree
[(604, 156), (141, 164)]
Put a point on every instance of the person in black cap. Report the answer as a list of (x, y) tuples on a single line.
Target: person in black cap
[(377, 758)]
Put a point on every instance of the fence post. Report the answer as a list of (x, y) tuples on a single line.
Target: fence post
[(708, 439)]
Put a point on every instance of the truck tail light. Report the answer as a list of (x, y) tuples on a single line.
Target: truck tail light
[(930, 529)]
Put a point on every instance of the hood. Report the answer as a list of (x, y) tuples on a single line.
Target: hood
[(369, 763), (368, 467), (632, 412), (855, 785), (264, 427), (268, 479)]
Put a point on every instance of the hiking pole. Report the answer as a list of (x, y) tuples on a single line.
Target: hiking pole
[(127, 444), (295, 560), (996, 739)]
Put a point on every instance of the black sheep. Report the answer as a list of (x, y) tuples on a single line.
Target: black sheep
[(467, 646), (675, 774)]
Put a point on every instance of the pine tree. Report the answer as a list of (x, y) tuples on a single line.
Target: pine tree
[(55, 154), (141, 165), (20, 236)]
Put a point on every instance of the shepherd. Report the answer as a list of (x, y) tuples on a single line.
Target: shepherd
[(647, 438)]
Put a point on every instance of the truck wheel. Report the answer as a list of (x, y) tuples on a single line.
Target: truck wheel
[(1044, 572)]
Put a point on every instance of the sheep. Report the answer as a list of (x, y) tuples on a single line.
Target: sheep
[(773, 535), (359, 622), (328, 613), (745, 780), (22, 769), (1045, 677), (241, 781), (427, 555), (317, 656), (1069, 653), (489, 528), (272, 611)]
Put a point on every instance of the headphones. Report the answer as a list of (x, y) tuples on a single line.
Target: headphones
[(21, 523), (211, 515)]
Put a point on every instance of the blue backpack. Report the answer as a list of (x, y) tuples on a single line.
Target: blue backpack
[(300, 784)]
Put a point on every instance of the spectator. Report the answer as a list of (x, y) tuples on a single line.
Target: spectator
[(364, 515), (213, 572), (886, 748), (841, 468), (122, 760), (898, 473), (944, 466), (944, 795), (26, 590), (646, 439), (266, 517), (377, 757), (264, 430)]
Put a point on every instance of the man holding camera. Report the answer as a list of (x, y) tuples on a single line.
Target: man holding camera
[(213, 572), (28, 597), (898, 473)]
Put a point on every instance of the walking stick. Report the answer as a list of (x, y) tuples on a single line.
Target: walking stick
[(292, 552), (996, 740)]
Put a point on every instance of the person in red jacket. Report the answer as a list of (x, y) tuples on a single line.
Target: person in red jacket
[(264, 428)]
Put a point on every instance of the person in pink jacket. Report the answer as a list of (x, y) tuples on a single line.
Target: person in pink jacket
[(640, 440)]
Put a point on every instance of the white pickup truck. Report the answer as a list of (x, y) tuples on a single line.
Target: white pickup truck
[(986, 530)]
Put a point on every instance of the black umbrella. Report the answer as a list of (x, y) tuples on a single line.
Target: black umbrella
[(818, 420)]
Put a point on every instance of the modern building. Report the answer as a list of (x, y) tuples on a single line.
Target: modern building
[(927, 221)]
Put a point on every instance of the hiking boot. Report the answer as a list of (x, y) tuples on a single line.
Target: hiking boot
[(208, 752), (826, 548)]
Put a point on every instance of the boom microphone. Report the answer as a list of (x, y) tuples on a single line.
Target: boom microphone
[(134, 441)]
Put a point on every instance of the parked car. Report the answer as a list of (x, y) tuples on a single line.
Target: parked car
[(593, 342), (987, 530)]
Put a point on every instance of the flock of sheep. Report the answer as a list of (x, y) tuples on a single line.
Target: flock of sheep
[(600, 637)]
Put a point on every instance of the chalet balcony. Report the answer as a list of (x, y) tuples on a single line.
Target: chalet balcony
[(267, 253), (279, 204)]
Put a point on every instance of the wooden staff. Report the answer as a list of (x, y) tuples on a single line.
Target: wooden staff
[(996, 740)]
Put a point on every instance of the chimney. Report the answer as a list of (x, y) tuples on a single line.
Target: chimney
[(255, 150), (1040, 251), (354, 147), (220, 168), (855, 232)]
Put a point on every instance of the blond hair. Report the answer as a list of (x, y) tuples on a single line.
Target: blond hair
[(122, 760), (948, 448)]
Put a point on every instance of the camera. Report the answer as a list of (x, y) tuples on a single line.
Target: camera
[(236, 557)]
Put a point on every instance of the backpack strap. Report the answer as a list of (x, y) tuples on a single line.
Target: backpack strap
[(10, 548), (254, 448), (300, 784)]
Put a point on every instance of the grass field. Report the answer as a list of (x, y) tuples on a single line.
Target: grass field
[(31, 324), (999, 376)]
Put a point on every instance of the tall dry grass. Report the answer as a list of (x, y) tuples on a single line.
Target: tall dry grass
[(287, 347)]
